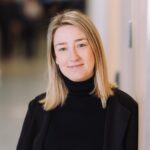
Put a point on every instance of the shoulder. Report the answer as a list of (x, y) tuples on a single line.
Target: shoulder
[(35, 109), (35, 102), (125, 100)]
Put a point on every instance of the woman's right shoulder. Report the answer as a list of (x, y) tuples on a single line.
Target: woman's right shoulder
[(35, 102)]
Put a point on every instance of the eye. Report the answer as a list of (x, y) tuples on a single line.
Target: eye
[(81, 45), (62, 49)]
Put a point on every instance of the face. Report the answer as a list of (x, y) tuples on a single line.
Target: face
[(73, 53)]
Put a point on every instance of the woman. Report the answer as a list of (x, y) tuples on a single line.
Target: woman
[(81, 110)]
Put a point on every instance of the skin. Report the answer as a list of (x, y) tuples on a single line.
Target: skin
[(74, 55)]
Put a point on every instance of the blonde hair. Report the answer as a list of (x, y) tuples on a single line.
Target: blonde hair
[(57, 91)]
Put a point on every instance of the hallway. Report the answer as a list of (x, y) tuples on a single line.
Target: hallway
[(20, 82)]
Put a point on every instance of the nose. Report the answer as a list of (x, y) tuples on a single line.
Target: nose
[(73, 55)]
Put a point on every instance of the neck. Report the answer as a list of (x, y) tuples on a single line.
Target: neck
[(82, 87)]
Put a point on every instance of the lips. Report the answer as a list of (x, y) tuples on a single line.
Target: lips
[(74, 66)]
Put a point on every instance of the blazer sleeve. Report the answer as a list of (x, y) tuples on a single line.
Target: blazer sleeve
[(131, 138), (28, 129)]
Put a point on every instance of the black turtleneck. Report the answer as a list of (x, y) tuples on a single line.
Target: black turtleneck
[(79, 123)]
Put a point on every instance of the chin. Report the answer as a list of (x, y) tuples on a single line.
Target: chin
[(77, 79)]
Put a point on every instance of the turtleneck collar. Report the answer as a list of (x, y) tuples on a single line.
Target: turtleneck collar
[(82, 87)]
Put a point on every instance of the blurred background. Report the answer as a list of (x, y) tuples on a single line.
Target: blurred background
[(125, 30)]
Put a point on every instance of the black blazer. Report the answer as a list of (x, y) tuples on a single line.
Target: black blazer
[(121, 124)]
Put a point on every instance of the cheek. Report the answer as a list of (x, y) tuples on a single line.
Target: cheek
[(90, 58), (60, 60), (91, 63)]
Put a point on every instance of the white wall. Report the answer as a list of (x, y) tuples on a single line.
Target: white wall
[(147, 112), (139, 17), (126, 49)]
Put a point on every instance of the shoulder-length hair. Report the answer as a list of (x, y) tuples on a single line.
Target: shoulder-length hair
[(57, 91)]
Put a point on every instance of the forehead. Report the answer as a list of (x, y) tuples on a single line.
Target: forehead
[(68, 32)]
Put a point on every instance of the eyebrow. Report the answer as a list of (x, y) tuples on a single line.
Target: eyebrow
[(64, 43), (77, 40)]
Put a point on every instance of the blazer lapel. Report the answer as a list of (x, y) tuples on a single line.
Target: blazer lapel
[(115, 125)]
